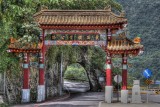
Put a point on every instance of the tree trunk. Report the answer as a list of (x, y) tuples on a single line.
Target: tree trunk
[(90, 71)]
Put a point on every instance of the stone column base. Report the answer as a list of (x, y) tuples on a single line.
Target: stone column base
[(41, 93), (25, 95), (1, 100), (108, 94), (124, 96)]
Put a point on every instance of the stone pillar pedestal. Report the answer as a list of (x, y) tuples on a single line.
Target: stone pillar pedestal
[(136, 94), (25, 95), (108, 94), (41, 93), (26, 86), (1, 100), (41, 86), (124, 96)]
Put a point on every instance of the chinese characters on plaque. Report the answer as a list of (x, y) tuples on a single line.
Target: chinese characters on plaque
[(71, 37)]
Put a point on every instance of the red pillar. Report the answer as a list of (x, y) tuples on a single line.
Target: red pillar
[(41, 61), (41, 69), (41, 86), (108, 61), (124, 72), (108, 71), (26, 90), (26, 71)]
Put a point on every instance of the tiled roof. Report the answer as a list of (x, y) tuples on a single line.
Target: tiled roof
[(19, 46), (122, 43), (79, 17)]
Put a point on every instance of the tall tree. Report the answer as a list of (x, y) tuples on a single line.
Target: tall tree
[(16, 20)]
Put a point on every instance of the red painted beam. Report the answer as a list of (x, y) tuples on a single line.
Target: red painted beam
[(14, 50), (75, 33), (82, 27)]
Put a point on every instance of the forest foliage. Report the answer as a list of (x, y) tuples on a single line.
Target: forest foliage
[(16, 20), (75, 72), (143, 20)]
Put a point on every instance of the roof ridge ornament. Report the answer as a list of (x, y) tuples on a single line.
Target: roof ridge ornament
[(108, 8), (43, 7), (123, 14)]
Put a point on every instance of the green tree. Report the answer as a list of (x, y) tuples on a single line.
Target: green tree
[(16, 20)]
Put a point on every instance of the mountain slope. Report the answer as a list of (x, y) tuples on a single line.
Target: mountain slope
[(144, 19)]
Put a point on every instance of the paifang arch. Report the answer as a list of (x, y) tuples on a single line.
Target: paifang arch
[(79, 27)]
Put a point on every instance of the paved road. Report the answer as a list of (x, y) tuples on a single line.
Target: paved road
[(87, 99), (152, 98), (129, 105), (76, 86), (90, 99)]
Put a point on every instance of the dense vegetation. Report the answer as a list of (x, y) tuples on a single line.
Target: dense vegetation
[(143, 20), (16, 20), (75, 72)]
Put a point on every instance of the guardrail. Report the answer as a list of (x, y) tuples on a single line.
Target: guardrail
[(144, 90)]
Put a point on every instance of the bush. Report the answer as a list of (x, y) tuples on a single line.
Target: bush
[(75, 72), (4, 105)]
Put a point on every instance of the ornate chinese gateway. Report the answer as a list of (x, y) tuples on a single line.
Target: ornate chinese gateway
[(79, 27)]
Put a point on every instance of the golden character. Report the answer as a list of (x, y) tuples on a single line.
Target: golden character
[(62, 37), (53, 37), (79, 37), (97, 37), (88, 37), (71, 37)]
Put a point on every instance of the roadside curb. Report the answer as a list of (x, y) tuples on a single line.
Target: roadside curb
[(44, 102)]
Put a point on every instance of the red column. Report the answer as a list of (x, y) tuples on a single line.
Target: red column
[(124, 72), (108, 61), (41, 86), (26, 71), (41, 62), (108, 71), (41, 69)]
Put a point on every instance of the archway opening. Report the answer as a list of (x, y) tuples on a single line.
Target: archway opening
[(75, 79)]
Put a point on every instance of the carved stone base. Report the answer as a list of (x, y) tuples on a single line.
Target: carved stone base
[(25, 95), (136, 92), (41, 93), (108, 94), (124, 96)]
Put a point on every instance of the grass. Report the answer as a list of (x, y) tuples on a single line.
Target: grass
[(4, 105)]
